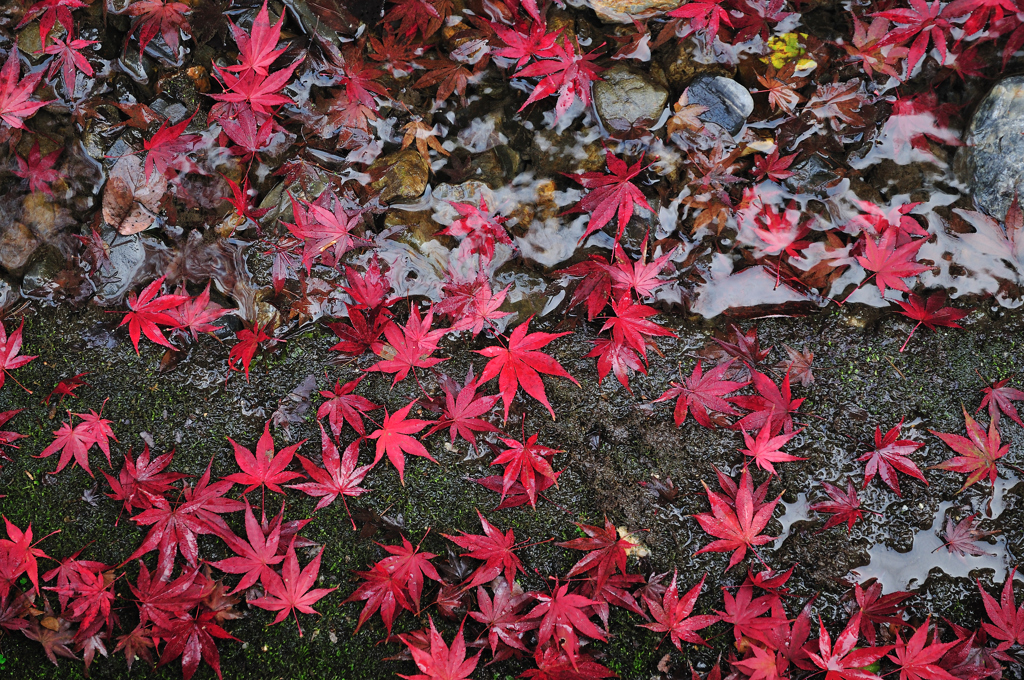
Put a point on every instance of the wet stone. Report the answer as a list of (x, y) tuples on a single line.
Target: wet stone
[(680, 66), (992, 162), (17, 243), (402, 176), (728, 102), (624, 11), (626, 98)]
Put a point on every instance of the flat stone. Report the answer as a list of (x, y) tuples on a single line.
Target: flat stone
[(626, 99), (17, 243), (992, 162), (624, 11), (728, 102), (403, 176)]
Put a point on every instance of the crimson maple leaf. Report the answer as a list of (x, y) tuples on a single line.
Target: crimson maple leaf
[(767, 449), (256, 49), (381, 590), (999, 398), (844, 661), (342, 405), (68, 58), (961, 537), (562, 616), (876, 608), (672, 615), (255, 556), (147, 312), (737, 528), (15, 91), (524, 462), (471, 303), (743, 612), (292, 592), (265, 469), (159, 16), (520, 45), (66, 388), (555, 664), (774, 167), (140, 482), (168, 148), (22, 553), (497, 550), (918, 660), (72, 442), (161, 600), (614, 355), (409, 566), (461, 410), (249, 340), (926, 22), (409, 346), (440, 661), (38, 169), (772, 404), (704, 16), (360, 334), (701, 393), (195, 315), (49, 12), (630, 325), (192, 638), (425, 16), (501, 616), (477, 230), (595, 286), (610, 194), (931, 313), (7, 438), (393, 437), (844, 506), (978, 452), (249, 134), (641, 276), (9, 349), (565, 72), (338, 477), (252, 90), (241, 201), (323, 229), (605, 551), (891, 264), (520, 363), (890, 455), (1007, 620)]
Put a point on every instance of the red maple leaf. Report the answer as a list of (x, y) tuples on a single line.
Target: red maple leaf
[(15, 91), (9, 349), (878, 609), (497, 550), (7, 438), (338, 477), (342, 405), (142, 481), (641, 276), (605, 551), (961, 537), (169, 148), (66, 388), (524, 462), (562, 616), (501, 616), (22, 553), (68, 59), (161, 600), (890, 455), (1007, 620), (255, 556), (472, 304), (891, 264), (249, 340), (440, 661), (926, 22), (360, 334), (72, 442), (630, 325), (409, 346), (743, 612), (393, 437), (844, 661), (241, 201), (192, 638), (614, 355), (175, 527), (159, 16), (701, 393), (931, 313), (256, 49), (610, 194), (381, 590), (49, 12), (249, 134), (772, 404), (477, 230), (253, 90), (38, 170), (595, 286), (323, 229), (565, 72), (555, 664), (520, 44), (265, 469), (461, 410), (844, 506), (978, 452), (767, 449), (425, 16), (292, 592), (517, 494), (147, 312), (409, 566), (672, 615), (918, 660), (100, 430), (704, 16), (520, 363), (774, 167), (999, 398), (195, 315), (737, 528)]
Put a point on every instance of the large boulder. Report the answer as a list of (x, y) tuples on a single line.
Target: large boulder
[(992, 162)]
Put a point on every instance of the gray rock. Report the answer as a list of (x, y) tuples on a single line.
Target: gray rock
[(992, 162), (627, 98), (728, 102), (17, 243)]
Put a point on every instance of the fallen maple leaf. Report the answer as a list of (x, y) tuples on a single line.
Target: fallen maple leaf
[(159, 16), (889, 263), (441, 661), (562, 615), (844, 506), (999, 398), (890, 455), (265, 468), (931, 313), (565, 72), (524, 462), (409, 346), (610, 194), (978, 452), (344, 406), (672, 615), (1007, 620), (15, 91), (767, 449), (844, 661), (393, 437), (461, 410), (338, 477), (38, 169), (961, 537), (702, 392), (9, 349), (736, 528), (495, 549), (918, 660), (292, 592)]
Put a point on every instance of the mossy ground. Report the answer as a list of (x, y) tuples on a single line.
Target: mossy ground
[(612, 441)]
